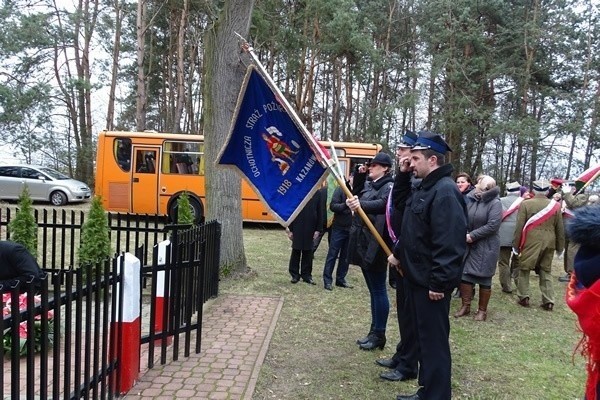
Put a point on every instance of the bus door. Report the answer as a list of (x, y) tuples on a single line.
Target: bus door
[(144, 183)]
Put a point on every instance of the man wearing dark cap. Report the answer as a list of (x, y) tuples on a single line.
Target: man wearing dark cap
[(430, 252), (538, 233), (403, 364), (507, 261)]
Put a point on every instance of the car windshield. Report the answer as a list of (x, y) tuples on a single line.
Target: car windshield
[(54, 174)]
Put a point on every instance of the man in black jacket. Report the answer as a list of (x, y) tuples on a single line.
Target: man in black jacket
[(338, 240), (16, 263), (403, 364), (432, 245)]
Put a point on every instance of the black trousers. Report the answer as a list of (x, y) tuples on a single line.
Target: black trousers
[(301, 264), (407, 349), (432, 328)]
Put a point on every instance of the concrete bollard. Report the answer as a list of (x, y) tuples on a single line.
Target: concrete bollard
[(130, 325)]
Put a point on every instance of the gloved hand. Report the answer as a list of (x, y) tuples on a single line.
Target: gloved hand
[(566, 188)]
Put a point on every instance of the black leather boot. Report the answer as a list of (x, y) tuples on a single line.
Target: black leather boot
[(376, 340), (366, 338)]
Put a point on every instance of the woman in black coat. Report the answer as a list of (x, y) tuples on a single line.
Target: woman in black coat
[(364, 250)]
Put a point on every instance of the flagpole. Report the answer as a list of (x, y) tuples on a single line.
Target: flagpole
[(324, 160)]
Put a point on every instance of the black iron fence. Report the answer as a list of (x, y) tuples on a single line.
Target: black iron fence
[(190, 276), (67, 349), (59, 234), (56, 334)]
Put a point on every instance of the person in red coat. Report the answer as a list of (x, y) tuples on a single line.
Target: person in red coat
[(583, 291)]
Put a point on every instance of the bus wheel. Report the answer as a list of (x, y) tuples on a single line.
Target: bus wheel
[(197, 211), (196, 207)]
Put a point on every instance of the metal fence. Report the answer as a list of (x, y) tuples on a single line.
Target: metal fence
[(59, 234), (67, 351), (56, 334), (190, 274)]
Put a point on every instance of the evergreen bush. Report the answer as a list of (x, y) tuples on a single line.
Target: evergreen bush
[(95, 239), (23, 228), (184, 210)]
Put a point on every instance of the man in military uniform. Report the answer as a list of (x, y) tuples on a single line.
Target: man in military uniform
[(538, 233), (572, 202), (507, 261)]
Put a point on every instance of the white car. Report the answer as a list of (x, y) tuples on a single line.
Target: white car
[(44, 184)]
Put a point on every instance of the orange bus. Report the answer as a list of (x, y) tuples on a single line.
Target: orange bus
[(145, 172)]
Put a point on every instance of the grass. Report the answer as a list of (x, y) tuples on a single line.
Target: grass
[(517, 353)]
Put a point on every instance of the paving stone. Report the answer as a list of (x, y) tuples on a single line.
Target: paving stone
[(236, 333)]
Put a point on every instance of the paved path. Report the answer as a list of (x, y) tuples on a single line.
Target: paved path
[(236, 332)]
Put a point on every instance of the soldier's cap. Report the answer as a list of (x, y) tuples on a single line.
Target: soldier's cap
[(429, 140), (408, 140), (540, 186), (513, 187), (556, 181), (381, 158)]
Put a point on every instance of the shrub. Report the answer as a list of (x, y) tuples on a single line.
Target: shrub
[(95, 239), (184, 210), (23, 229)]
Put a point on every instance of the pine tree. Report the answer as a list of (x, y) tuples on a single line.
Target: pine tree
[(95, 239), (23, 229)]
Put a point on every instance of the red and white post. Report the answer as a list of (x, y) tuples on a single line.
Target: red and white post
[(130, 326), (160, 302)]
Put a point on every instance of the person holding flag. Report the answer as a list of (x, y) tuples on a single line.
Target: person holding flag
[(365, 251), (538, 233), (572, 201)]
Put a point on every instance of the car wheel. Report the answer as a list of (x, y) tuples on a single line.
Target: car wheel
[(58, 198)]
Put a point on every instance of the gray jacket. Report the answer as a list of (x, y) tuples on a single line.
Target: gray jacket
[(484, 212), (507, 227)]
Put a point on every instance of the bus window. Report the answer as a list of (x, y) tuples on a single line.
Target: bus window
[(183, 157), (145, 161), (122, 153)]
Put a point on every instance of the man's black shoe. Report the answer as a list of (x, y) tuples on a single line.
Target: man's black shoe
[(344, 284), (328, 287), (408, 397), (395, 375), (310, 281), (295, 280), (565, 278), (387, 363)]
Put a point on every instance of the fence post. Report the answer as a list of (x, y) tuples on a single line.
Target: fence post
[(130, 326), (160, 300)]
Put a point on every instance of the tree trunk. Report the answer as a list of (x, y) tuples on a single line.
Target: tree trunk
[(141, 98), (224, 76), (180, 68), (110, 113)]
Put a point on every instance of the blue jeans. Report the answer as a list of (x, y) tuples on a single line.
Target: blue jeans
[(380, 304), (338, 246)]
